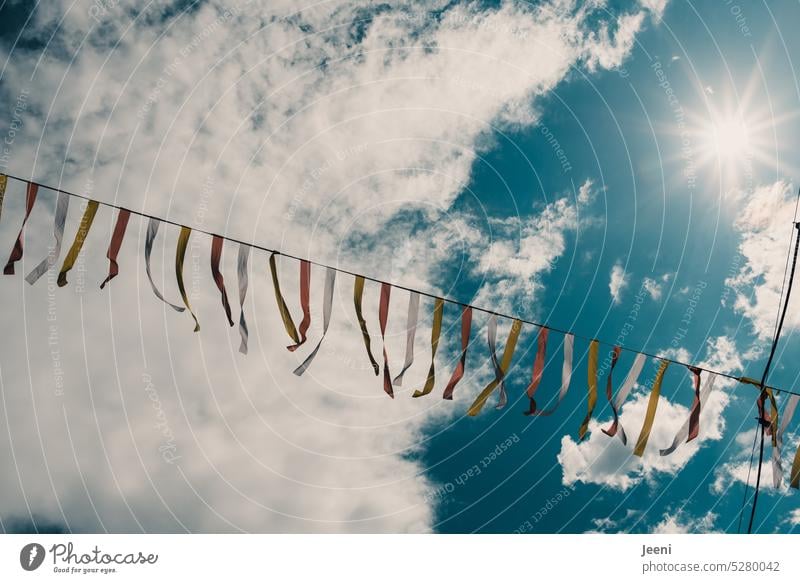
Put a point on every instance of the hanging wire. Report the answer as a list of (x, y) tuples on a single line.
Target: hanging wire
[(398, 286)]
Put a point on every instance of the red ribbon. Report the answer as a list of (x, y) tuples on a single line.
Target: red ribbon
[(216, 255), (694, 416), (16, 252), (305, 303), (466, 327), (383, 317), (538, 368), (116, 243)]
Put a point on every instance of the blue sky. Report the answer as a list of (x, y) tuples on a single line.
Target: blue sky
[(622, 170)]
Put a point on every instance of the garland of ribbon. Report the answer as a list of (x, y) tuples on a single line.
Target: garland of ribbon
[(690, 430)]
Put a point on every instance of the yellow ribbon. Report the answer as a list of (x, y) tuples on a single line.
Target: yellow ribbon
[(77, 244), (505, 363), (358, 297), (438, 310), (180, 254), (773, 424), (282, 308), (794, 477), (594, 351), (650, 415)]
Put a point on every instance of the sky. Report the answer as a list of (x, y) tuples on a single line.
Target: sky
[(622, 170)]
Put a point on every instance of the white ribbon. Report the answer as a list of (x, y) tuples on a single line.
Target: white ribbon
[(626, 388), (411, 331), (566, 374), (327, 304), (683, 432), (152, 231), (491, 335), (241, 273), (62, 204), (777, 466)]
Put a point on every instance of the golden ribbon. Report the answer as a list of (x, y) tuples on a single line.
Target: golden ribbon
[(650, 415), (77, 244), (282, 308), (180, 254), (500, 371), (358, 297), (794, 477), (773, 421), (3, 183), (594, 349), (438, 310)]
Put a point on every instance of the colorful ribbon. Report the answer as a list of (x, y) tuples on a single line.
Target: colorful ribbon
[(180, 254), (610, 391), (282, 308), (305, 303), (150, 237), (616, 428), (411, 332), (594, 348), (116, 244), (777, 464), (650, 415), (3, 184), (62, 205), (458, 373), (566, 379), (794, 475), (16, 252), (500, 368), (358, 299), (83, 230), (327, 305), (538, 369), (685, 434), (769, 421), (241, 274), (383, 317), (436, 330), (216, 256)]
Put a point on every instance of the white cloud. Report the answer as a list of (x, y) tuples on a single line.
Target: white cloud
[(618, 282), (653, 288), (681, 523), (794, 517)]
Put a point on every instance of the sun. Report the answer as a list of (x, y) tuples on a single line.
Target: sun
[(729, 139)]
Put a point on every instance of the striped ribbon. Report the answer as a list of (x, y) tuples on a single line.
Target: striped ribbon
[(60, 218), (594, 348), (777, 464), (436, 330), (684, 434), (216, 256), (16, 252), (180, 255), (616, 428), (566, 378), (610, 391), (650, 415), (305, 303), (327, 305), (83, 230), (241, 275), (411, 332), (150, 237), (116, 244), (500, 368), (358, 300), (458, 373), (538, 369), (288, 324), (383, 317)]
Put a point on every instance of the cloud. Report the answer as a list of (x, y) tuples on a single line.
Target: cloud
[(682, 523), (318, 131), (618, 282), (653, 288)]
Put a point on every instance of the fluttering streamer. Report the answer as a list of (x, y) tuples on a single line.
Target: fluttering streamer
[(616, 427), (150, 237), (383, 317), (411, 332), (59, 219), (180, 255), (538, 369), (650, 415), (500, 368), (116, 244), (16, 252), (305, 303), (777, 464), (3, 184), (610, 392), (566, 378), (327, 308), (436, 331), (288, 324), (216, 256), (358, 302), (591, 401), (686, 434), (75, 249), (458, 373), (241, 276)]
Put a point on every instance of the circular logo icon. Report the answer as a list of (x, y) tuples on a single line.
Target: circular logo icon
[(31, 556)]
